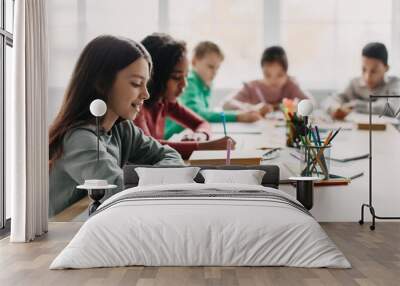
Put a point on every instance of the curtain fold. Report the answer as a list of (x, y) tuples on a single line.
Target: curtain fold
[(27, 123)]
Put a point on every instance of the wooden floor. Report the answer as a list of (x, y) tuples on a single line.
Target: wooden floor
[(76, 212), (375, 257)]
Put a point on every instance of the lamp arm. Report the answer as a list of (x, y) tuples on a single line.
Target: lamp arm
[(98, 138)]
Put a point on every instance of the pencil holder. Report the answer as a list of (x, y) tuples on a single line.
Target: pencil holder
[(315, 161)]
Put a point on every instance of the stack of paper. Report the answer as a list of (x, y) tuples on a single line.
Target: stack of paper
[(204, 157)]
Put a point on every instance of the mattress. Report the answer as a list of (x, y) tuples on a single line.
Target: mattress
[(201, 225)]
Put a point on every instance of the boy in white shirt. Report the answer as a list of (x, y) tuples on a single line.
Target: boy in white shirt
[(373, 81)]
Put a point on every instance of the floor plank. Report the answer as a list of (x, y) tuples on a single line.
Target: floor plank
[(76, 212), (375, 257)]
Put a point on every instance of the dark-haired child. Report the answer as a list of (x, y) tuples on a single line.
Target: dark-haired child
[(373, 81), (272, 89), (170, 69)]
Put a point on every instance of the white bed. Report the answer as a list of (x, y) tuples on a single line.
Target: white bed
[(250, 225)]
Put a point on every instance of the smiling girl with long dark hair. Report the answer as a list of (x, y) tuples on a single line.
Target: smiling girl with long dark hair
[(116, 71)]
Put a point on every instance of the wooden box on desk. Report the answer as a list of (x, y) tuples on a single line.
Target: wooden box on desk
[(205, 157), (374, 126)]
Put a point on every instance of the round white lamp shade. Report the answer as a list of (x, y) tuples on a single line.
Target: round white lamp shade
[(98, 107), (305, 107)]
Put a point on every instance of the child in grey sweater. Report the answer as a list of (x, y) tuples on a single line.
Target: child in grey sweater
[(115, 70), (373, 81)]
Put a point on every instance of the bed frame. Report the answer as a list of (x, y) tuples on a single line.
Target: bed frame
[(270, 179)]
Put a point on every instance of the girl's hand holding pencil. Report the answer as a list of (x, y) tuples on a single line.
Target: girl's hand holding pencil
[(228, 151), (217, 144)]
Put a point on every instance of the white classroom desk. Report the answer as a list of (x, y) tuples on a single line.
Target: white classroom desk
[(340, 203)]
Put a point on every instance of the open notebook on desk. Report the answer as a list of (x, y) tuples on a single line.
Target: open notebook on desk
[(237, 128), (347, 172), (344, 152), (346, 156), (243, 141), (177, 137)]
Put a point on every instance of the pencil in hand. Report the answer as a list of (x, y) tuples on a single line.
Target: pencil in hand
[(224, 122), (229, 144)]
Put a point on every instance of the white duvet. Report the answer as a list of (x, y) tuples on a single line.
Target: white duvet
[(200, 231)]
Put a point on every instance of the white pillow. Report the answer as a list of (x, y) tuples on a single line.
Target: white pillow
[(248, 177), (165, 176)]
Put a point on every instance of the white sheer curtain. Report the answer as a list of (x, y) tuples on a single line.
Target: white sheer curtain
[(27, 137)]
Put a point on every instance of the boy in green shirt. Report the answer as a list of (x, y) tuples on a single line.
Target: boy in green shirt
[(206, 61)]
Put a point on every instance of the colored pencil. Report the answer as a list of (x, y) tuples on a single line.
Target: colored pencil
[(334, 134), (318, 136), (228, 151), (272, 151), (224, 122), (314, 137), (328, 138)]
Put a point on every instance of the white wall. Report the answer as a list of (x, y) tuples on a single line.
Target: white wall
[(323, 39)]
